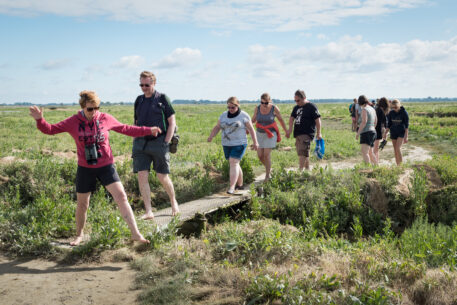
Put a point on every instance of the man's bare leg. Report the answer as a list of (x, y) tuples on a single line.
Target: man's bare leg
[(145, 190), (168, 186), (303, 162)]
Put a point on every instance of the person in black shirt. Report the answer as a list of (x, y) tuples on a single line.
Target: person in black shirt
[(306, 120), (153, 109), (397, 124), (382, 108)]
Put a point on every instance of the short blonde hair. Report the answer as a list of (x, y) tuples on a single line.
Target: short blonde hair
[(265, 97), (396, 103), (88, 97), (147, 74), (233, 100)]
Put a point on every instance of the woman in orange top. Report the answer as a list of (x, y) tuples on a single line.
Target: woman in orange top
[(267, 130)]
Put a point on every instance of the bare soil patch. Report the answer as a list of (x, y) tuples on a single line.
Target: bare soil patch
[(376, 197), (410, 153), (61, 154), (7, 160), (36, 281)]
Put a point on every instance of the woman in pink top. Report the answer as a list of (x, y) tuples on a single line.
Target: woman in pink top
[(90, 130)]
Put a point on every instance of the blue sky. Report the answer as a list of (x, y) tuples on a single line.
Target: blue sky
[(205, 49)]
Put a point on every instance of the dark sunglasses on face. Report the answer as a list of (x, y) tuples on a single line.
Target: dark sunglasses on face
[(145, 85), (264, 103), (90, 109), (231, 107)]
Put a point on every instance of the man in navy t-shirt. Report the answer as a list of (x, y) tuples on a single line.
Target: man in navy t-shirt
[(306, 120), (153, 109)]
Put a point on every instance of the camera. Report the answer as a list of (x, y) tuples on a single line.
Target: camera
[(174, 144), (92, 153)]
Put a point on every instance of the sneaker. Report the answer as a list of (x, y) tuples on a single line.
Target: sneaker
[(239, 187), (230, 192)]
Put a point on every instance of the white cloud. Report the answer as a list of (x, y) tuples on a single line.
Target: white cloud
[(55, 64), (129, 62), (180, 57), (282, 15), (207, 71), (221, 33), (264, 62), (352, 65)]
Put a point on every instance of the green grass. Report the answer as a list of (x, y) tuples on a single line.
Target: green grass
[(306, 238)]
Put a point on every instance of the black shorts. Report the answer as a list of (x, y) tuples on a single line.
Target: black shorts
[(397, 133), (86, 178), (156, 151), (368, 138), (378, 134)]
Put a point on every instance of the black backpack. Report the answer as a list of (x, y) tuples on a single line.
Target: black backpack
[(175, 138)]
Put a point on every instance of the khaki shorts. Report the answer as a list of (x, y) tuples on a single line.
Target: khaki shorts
[(303, 145)]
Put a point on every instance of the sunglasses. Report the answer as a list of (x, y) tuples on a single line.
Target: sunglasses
[(264, 103), (145, 85), (90, 109), (231, 107)]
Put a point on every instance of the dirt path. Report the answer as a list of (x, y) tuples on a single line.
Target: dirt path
[(411, 153), (36, 282)]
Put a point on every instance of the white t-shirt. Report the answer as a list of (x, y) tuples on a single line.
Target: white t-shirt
[(358, 110), (234, 129)]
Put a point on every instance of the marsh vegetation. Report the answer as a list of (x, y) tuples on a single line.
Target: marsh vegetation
[(362, 235)]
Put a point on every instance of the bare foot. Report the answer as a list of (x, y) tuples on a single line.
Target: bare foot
[(77, 241), (140, 239), (174, 209), (147, 216)]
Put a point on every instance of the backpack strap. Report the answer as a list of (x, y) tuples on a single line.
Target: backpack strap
[(137, 102), (162, 102)]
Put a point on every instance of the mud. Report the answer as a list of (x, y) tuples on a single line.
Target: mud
[(35, 281)]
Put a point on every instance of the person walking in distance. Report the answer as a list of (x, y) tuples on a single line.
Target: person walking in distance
[(153, 109), (367, 130), (234, 123), (382, 108), (397, 124), (267, 130), (306, 121)]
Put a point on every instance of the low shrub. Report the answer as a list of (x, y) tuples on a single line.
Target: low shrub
[(435, 245)]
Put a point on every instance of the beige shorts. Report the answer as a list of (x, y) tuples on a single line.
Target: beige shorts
[(303, 145)]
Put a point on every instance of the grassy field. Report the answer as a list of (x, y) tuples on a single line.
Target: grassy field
[(319, 237)]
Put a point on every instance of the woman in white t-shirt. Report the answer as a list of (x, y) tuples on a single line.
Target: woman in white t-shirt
[(233, 124)]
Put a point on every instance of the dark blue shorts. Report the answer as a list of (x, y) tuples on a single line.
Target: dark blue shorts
[(86, 178), (145, 152), (397, 133), (236, 152), (368, 138)]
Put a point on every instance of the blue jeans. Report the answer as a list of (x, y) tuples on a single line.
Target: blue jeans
[(236, 152)]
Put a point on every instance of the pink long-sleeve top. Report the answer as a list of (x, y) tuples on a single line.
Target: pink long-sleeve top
[(84, 132)]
